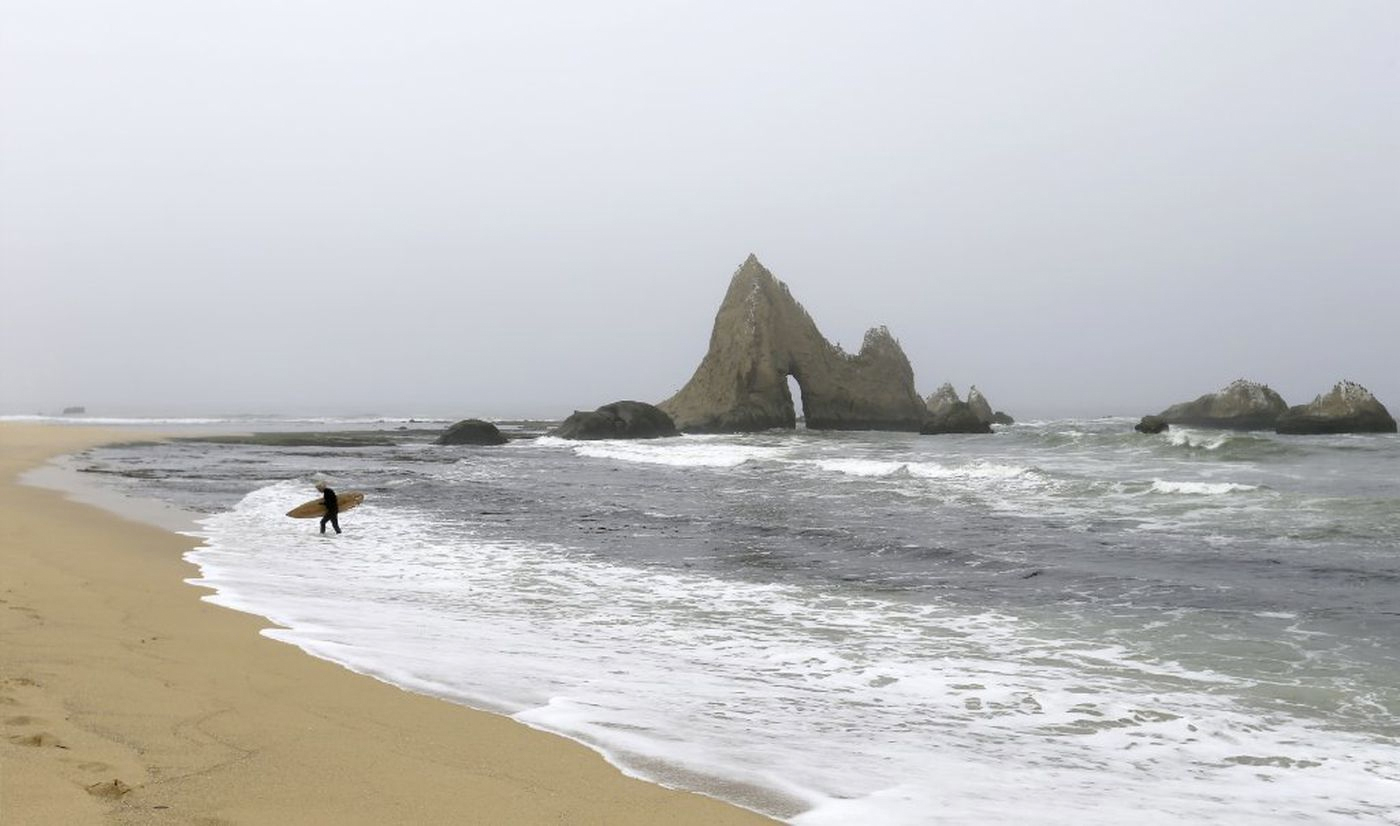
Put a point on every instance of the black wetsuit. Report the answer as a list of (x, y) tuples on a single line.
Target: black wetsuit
[(332, 510)]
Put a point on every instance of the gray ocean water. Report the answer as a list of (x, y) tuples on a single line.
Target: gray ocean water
[(1063, 622)]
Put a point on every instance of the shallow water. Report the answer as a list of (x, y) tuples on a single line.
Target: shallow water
[(1064, 622)]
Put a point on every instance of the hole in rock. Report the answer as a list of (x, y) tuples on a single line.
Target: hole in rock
[(795, 390)]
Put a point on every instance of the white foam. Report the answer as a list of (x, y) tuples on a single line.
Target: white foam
[(109, 421), (862, 467), (973, 470), (1199, 488), (684, 451), (849, 710), (1201, 440)]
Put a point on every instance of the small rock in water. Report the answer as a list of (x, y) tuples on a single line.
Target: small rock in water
[(472, 432), (1151, 424), (619, 420)]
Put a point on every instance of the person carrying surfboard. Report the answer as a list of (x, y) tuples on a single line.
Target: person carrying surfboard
[(332, 507)]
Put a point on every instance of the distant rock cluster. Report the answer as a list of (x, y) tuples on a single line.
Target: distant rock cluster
[(762, 337), (1247, 405)]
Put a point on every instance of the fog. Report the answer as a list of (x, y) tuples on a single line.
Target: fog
[(520, 209)]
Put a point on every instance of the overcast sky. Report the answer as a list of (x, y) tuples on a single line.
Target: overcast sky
[(500, 209)]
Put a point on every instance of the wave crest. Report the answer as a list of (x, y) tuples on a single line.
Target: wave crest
[(1200, 488)]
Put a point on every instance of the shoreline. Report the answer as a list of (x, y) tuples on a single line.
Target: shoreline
[(128, 698)]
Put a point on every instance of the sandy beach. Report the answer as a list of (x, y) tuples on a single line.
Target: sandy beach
[(126, 699)]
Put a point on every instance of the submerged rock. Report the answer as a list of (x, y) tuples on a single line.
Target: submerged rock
[(619, 420), (1243, 405), (1151, 424), (761, 336), (1349, 408), (958, 417), (472, 432), (1002, 418)]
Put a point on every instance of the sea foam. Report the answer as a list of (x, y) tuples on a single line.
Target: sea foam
[(1199, 488), (819, 707), (685, 451)]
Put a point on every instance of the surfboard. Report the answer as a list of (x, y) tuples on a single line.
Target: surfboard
[(316, 508)]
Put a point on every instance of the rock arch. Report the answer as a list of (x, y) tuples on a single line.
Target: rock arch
[(760, 337)]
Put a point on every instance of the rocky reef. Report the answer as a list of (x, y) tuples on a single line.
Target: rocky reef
[(1348, 408), (619, 420), (760, 337), (472, 432), (1242, 405)]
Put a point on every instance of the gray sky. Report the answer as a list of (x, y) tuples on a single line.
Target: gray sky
[(524, 208)]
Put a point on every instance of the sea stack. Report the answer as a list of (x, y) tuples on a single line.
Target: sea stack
[(761, 336), (1349, 408), (1243, 405), (979, 404)]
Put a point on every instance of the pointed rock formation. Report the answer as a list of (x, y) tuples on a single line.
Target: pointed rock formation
[(1349, 408), (1243, 405), (942, 399), (761, 336), (980, 405)]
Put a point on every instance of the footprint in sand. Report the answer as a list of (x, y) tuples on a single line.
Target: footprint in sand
[(19, 721), (95, 766), (112, 790), (41, 739)]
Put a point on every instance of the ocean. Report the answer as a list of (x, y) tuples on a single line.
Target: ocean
[(1064, 622)]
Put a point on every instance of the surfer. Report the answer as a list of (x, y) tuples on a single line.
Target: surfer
[(332, 507)]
